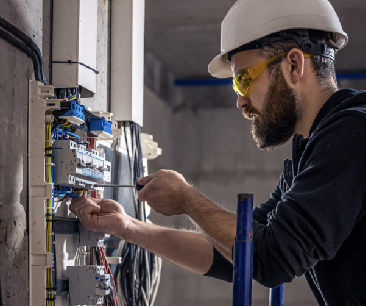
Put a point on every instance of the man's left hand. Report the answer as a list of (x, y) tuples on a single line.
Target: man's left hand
[(165, 191)]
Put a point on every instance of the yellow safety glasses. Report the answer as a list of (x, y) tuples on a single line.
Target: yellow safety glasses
[(243, 82)]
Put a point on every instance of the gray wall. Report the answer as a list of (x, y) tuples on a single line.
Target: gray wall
[(214, 150), (31, 17)]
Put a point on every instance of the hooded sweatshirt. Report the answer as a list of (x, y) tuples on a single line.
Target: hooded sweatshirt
[(314, 222)]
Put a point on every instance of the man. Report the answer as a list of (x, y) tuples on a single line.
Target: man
[(281, 54)]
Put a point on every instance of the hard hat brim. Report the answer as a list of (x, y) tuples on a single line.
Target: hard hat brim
[(220, 67)]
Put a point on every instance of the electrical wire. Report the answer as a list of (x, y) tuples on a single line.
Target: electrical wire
[(24, 43), (50, 230), (138, 276)]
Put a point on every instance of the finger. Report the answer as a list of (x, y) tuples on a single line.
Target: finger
[(88, 203), (76, 203), (76, 200), (86, 213), (146, 179), (142, 195), (95, 199), (110, 206)]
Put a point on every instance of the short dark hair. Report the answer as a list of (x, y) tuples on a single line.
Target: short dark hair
[(324, 68)]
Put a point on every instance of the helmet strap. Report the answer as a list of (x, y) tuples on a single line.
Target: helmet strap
[(301, 36)]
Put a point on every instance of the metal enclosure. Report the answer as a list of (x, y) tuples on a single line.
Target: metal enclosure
[(127, 60), (74, 45)]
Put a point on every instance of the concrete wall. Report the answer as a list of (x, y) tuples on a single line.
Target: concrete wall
[(31, 17), (214, 150)]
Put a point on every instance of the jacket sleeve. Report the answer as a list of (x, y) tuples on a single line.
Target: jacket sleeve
[(221, 268), (320, 209), (260, 213)]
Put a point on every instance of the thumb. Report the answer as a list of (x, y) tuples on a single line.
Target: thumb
[(146, 179), (96, 200)]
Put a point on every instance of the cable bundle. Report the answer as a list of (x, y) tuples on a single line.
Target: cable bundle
[(138, 276), (24, 43)]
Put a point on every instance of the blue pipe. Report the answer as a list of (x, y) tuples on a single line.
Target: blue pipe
[(276, 296), (243, 252)]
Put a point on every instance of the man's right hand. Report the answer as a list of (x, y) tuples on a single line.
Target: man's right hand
[(101, 215)]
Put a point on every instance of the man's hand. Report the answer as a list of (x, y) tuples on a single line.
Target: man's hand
[(106, 216), (165, 191)]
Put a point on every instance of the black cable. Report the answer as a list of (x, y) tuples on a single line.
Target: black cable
[(133, 256), (23, 47), (36, 57)]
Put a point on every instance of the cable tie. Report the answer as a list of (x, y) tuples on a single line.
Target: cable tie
[(50, 164), (48, 220), (80, 63), (51, 288)]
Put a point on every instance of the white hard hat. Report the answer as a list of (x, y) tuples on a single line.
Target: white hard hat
[(250, 20)]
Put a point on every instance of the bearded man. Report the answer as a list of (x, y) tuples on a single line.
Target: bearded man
[(281, 54)]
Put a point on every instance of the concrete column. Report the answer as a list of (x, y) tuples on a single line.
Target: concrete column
[(15, 70)]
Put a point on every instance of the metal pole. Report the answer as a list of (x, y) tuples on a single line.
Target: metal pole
[(276, 296), (243, 252)]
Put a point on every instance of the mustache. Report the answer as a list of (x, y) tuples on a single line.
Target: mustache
[(249, 112)]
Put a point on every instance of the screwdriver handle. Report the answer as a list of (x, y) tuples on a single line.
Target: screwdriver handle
[(139, 187)]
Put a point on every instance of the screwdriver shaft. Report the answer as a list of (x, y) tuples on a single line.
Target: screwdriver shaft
[(105, 185)]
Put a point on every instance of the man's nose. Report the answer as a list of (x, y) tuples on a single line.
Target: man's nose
[(242, 102)]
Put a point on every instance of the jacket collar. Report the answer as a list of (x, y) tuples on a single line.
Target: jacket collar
[(337, 98)]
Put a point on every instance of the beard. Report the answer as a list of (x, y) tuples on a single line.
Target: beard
[(275, 125)]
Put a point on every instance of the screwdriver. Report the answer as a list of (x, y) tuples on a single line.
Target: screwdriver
[(137, 186)]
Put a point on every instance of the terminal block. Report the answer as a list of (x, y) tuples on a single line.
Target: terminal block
[(101, 127), (77, 166), (75, 114), (87, 284)]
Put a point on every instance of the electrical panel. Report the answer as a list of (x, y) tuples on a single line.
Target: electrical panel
[(75, 150)]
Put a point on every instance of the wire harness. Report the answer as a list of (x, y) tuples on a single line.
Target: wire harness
[(138, 276)]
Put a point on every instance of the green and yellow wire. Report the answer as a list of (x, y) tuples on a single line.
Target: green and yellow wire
[(49, 217)]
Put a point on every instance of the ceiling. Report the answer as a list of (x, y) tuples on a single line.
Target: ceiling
[(185, 35)]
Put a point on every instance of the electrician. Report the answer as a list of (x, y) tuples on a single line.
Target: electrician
[(282, 56)]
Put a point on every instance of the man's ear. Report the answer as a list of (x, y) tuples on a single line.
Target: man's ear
[(294, 66)]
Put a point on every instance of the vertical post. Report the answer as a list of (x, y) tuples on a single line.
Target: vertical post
[(243, 252), (276, 296)]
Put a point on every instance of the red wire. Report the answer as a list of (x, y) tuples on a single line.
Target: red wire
[(104, 262), (110, 272)]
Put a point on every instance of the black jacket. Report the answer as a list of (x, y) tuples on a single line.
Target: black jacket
[(314, 223)]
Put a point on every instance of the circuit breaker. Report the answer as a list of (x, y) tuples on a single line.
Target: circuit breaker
[(79, 166), (88, 284)]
